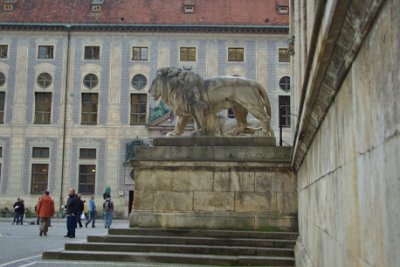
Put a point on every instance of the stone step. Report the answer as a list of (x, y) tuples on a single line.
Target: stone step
[(203, 233), (188, 249), (183, 240), (184, 246), (177, 258)]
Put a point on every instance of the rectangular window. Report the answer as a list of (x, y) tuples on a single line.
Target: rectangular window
[(40, 152), (283, 10), (284, 110), (3, 51), (1, 151), (96, 8), (138, 108), (39, 178), (8, 7), (42, 108), (87, 153), (87, 178), (188, 9), (187, 54), (46, 52), (92, 52), (284, 55), (89, 108), (140, 53), (236, 54), (2, 103)]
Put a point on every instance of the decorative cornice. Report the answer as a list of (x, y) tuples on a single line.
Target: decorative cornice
[(146, 28), (350, 23)]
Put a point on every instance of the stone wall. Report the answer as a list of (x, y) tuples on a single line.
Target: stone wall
[(348, 165), (207, 189)]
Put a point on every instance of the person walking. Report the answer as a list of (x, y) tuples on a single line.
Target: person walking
[(81, 207), (21, 212), (92, 212), (71, 209), (108, 208), (45, 210), (85, 210), (16, 206), (36, 212)]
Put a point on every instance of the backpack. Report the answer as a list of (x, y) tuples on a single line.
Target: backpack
[(107, 205)]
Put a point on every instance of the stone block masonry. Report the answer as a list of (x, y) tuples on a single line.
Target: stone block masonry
[(182, 182)]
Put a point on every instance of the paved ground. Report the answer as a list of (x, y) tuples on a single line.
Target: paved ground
[(21, 245)]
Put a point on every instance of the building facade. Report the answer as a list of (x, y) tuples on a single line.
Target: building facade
[(74, 77)]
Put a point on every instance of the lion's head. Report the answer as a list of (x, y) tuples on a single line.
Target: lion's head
[(177, 87)]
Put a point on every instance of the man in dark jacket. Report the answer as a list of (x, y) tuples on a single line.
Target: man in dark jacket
[(17, 210), (72, 211)]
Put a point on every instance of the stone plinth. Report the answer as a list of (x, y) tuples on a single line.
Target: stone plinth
[(235, 183)]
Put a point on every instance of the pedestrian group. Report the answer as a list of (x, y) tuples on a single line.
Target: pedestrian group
[(76, 209)]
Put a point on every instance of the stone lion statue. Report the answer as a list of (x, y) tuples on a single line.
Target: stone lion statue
[(226, 126), (189, 95)]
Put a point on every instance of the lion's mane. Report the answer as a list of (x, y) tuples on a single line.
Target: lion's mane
[(182, 89)]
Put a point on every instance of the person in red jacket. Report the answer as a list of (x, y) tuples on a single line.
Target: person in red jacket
[(45, 210)]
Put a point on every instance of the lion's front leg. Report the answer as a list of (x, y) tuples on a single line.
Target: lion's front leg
[(179, 126)]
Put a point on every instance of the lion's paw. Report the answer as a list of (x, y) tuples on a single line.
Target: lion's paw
[(171, 134)]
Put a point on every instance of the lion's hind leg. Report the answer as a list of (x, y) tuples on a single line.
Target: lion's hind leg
[(241, 120), (259, 112)]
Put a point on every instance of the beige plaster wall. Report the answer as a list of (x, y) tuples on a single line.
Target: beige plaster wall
[(349, 182)]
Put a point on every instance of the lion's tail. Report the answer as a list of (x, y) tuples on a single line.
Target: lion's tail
[(265, 99)]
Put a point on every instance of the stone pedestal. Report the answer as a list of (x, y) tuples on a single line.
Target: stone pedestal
[(214, 183)]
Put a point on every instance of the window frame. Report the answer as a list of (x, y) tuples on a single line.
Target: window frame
[(42, 115), (87, 153), (8, 7), (89, 82), (44, 80), (282, 10), (90, 120), (139, 85), (285, 109), (140, 53), (283, 57), (188, 9), (136, 115), (41, 152), (186, 53), (284, 83), (34, 178), (87, 175), (90, 53), (49, 52), (233, 55), (2, 53)]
